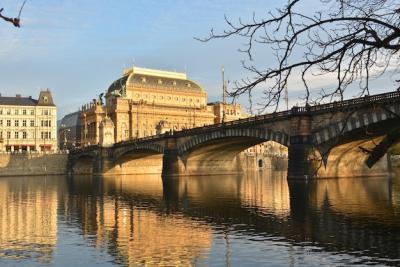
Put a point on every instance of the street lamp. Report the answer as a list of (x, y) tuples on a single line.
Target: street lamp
[(84, 129), (64, 130)]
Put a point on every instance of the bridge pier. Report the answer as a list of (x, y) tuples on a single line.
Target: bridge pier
[(104, 164), (172, 164), (299, 163), (300, 148)]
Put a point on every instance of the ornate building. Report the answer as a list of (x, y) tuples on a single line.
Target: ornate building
[(145, 102), (28, 124)]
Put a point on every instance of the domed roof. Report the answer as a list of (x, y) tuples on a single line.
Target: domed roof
[(149, 78)]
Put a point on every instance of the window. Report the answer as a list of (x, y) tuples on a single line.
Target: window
[(32, 112), (8, 111), (45, 99), (8, 135), (1, 135), (24, 123), (45, 123), (8, 122), (16, 123), (16, 135), (24, 112), (16, 112), (32, 123), (1, 122), (45, 135), (23, 135), (49, 123), (45, 112), (1, 111)]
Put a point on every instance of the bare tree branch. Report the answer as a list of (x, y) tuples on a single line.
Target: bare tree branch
[(15, 21), (352, 39)]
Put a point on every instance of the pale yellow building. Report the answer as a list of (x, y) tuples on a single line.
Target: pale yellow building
[(145, 102), (28, 124)]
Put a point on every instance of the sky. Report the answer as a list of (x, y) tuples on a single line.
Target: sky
[(78, 48)]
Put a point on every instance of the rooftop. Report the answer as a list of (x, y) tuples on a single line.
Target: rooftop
[(17, 101), (149, 78), (156, 73)]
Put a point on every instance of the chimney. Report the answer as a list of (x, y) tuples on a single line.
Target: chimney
[(18, 96)]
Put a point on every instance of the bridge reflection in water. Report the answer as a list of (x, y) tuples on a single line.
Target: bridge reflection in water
[(253, 219)]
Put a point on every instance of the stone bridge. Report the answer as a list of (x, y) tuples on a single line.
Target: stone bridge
[(347, 138)]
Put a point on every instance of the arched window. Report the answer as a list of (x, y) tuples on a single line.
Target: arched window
[(260, 163)]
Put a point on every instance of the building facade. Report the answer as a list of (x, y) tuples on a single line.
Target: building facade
[(145, 102), (28, 124)]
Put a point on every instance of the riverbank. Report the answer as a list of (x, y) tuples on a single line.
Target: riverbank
[(32, 164), (36, 164)]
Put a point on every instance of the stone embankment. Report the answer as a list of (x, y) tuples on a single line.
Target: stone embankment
[(25, 164)]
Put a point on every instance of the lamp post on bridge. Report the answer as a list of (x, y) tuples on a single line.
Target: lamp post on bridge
[(64, 131)]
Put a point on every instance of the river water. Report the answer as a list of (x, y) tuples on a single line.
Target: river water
[(256, 219)]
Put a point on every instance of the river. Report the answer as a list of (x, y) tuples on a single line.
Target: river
[(255, 219)]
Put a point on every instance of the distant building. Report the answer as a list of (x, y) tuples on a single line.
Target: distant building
[(145, 102), (226, 112), (69, 131), (28, 124)]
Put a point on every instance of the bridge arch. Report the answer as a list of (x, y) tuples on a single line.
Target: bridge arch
[(359, 125), (134, 147), (138, 158), (218, 152), (350, 147), (256, 135)]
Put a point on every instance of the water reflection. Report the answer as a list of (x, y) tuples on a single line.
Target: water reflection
[(253, 219), (123, 216), (28, 218)]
